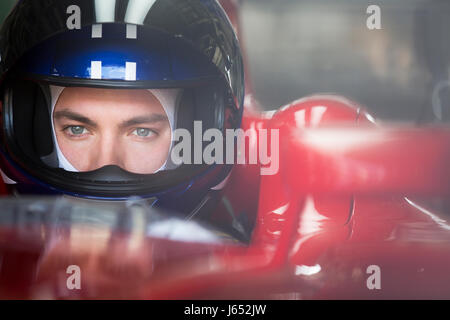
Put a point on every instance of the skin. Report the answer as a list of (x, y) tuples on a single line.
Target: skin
[(99, 127)]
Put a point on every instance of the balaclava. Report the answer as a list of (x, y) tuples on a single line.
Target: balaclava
[(167, 98)]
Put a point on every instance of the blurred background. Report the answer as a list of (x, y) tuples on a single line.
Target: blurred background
[(300, 47), (5, 7)]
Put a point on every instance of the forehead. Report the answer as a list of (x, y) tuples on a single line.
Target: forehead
[(97, 98)]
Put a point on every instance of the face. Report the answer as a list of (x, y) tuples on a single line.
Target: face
[(99, 127)]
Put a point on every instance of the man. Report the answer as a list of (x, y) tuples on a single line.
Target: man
[(137, 139), (92, 96)]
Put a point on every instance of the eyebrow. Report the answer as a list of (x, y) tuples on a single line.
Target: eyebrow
[(153, 118), (74, 116)]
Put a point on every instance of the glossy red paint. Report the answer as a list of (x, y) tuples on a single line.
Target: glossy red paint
[(313, 238), (348, 195)]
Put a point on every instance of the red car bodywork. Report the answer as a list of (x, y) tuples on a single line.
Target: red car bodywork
[(344, 199)]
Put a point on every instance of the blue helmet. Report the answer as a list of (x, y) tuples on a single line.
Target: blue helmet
[(134, 44)]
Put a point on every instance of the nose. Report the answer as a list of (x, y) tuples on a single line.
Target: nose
[(108, 152)]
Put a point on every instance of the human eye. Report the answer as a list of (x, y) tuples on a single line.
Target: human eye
[(76, 131), (143, 132)]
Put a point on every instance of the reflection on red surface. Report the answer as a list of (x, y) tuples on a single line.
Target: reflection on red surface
[(333, 210), (345, 198), (113, 265)]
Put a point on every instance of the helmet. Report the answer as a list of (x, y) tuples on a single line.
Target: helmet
[(188, 46)]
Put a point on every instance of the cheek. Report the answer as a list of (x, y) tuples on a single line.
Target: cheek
[(76, 152), (146, 158)]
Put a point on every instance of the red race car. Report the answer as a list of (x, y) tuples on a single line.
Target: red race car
[(341, 209)]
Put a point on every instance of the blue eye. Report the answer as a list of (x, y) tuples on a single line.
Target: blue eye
[(143, 132), (77, 130)]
